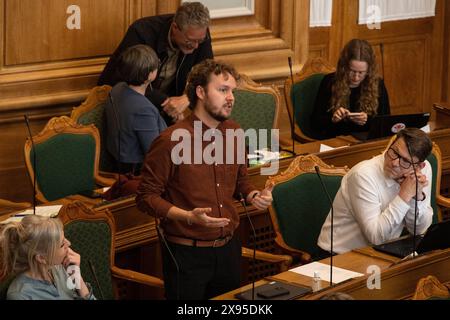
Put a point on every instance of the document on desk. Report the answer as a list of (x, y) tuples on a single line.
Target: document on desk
[(339, 274), (45, 211), (324, 147)]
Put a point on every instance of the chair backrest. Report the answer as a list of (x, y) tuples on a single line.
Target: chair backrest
[(300, 204), (435, 159), (4, 285), (91, 234), (256, 106), (300, 97), (91, 111), (67, 156)]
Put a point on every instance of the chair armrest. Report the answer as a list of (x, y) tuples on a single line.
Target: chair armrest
[(14, 205), (138, 277), (109, 175), (284, 260), (443, 201), (105, 182), (298, 255)]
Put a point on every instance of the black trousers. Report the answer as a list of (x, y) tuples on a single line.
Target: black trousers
[(203, 272)]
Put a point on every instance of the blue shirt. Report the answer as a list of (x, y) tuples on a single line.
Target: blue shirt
[(139, 120), (26, 288)]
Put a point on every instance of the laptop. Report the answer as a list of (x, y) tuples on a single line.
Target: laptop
[(388, 125), (436, 237)]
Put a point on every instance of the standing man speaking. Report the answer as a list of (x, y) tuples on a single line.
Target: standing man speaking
[(194, 198), (180, 42)]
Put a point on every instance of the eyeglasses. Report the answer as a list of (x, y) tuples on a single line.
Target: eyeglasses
[(190, 43), (355, 72), (404, 163)]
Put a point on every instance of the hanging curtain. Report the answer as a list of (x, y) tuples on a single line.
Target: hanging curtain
[(320, 13), (375, 11)]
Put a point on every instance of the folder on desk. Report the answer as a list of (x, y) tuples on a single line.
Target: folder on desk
[(286, 292)]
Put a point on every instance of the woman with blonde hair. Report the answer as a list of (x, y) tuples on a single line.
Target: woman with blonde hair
[(349, 98), (35, 252)]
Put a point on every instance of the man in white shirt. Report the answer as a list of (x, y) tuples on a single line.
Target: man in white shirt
[(377, 196)]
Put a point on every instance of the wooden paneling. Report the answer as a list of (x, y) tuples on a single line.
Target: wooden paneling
[(46, 69), (410, 53), (404, 73), (276, 30), (44, 36)]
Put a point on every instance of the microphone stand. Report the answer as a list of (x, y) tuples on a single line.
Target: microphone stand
[(94, 274), (415, 200), (119, 163), (163, 238), (34, 162), (332, 222), (242, 201), (293, 107)]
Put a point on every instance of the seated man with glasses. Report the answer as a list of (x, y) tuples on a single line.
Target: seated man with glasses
[(348, 99), (180, 40), (377, 197)]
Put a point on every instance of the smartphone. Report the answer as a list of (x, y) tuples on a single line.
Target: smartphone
[(272, 292)]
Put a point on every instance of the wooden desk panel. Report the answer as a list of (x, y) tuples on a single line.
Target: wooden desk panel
[(398, 280)]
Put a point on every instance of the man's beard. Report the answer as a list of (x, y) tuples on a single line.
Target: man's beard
[(216, 115)]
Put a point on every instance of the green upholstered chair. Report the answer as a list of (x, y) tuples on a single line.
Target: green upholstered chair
[(301, 96), (91, 111), (67, 156), (437, 200), (300, 205), (256, 106), (92, 235)]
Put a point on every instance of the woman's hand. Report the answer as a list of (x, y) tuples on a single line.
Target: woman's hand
[(360, 118), (339, 115)]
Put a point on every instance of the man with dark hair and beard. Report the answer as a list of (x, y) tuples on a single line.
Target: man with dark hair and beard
[(193, 197)]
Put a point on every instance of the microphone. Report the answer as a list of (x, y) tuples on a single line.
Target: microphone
[(161, 236), (119, 164), (332, 215), (242, 201), (293, 107), (415, 200), (27, 122), (94, 274)]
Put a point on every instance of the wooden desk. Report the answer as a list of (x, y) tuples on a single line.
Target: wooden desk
[(398, 278), (442, 110)]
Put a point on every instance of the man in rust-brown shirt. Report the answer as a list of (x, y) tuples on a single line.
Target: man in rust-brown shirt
[(190, 176)]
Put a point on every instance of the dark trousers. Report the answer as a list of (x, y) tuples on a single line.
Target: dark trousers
[(203, 272)]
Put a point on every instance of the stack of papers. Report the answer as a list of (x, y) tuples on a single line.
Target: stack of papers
[(45, 211), (339, 274)]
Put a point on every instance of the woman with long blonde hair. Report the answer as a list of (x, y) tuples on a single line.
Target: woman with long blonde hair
[(36, 254), (349, 98)]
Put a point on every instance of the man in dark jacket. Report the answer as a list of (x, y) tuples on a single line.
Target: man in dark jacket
[(180, 41)]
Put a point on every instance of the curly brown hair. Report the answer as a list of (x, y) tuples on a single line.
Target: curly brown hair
[(359, 50), (200, 75)]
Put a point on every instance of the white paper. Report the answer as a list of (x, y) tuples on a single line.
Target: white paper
[(426, 128), (45, 211), (324, 147), (339, 274)]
